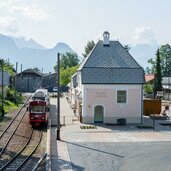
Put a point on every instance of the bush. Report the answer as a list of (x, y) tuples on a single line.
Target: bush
[(10, 95), (7, 106), (148, 89), (9, 99)]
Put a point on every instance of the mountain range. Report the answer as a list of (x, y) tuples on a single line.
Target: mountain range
[(31, 54)]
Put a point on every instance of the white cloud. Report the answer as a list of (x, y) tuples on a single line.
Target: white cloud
[(2, 5), (31, 11), (26, 10), (140, 35), (124, 38), (8, 25), (144, 35)]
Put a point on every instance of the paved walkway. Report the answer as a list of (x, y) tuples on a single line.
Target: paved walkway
[(72, 132), (58, 155)]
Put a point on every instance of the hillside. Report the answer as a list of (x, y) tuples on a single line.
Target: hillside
[(29, 53)]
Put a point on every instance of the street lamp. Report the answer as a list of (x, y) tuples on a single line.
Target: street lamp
[(58, 96)]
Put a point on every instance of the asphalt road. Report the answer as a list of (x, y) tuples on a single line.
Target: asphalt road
[(114, 148), (119, 156)]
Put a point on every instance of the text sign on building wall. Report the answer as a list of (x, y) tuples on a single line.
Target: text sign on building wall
[(6, 78), (100, 94)]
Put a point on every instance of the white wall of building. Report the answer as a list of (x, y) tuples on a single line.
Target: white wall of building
[(106, 95)]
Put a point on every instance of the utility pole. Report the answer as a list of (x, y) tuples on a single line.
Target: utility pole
[(58, 96), (16, 83), (21, 80), (2, 67)]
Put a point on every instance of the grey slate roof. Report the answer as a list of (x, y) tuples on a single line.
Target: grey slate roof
[(30, 71), (110, 65)]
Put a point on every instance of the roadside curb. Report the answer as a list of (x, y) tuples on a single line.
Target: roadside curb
[(48, 161), (64, 161)]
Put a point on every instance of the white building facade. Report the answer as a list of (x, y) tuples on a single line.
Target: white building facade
[(110, 85)]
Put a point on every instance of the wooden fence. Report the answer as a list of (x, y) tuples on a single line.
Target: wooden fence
[(152, 106)]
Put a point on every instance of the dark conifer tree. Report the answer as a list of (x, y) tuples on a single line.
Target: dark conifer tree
[(158, 75)]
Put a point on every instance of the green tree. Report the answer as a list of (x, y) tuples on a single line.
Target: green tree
[(66, 74), (7, 66), (90, 45), (1, 63), (152, 62), (68, 60), (148, 88), (158, 75), (165, 60), (165, 56), (147, 70), (9, 92)]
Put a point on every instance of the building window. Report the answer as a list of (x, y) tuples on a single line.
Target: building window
[(121, 96)]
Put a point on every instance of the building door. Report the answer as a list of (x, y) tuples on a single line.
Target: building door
[(98, 114)]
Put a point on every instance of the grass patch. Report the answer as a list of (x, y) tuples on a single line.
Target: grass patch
[(7, 106), (88, 127)]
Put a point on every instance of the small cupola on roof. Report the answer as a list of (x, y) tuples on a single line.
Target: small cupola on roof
[(106, 38)]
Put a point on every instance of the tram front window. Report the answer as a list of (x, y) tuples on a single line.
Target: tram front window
[(38, 109)]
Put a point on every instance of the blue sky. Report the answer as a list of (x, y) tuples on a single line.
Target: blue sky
[(78, 21)]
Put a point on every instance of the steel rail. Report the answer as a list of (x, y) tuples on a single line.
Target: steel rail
[(3, 149), (7, 165), (9, 162), (22, 164), (14, 117), (39, 162)]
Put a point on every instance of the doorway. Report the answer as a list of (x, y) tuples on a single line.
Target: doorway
[(98, 114)]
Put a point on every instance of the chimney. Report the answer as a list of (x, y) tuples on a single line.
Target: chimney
[(106, 38)]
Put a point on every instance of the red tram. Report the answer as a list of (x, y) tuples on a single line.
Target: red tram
[(39, 108)]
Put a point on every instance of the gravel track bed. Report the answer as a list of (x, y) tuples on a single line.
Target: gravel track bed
[(20, 138), (9, 116), (38, 153), (7, 119), (42, 165), (9, 131), (17, 142)]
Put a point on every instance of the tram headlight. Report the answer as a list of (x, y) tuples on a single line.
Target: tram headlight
[(43, 117), (31, 118)]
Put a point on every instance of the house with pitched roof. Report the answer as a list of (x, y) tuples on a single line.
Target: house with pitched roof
[(109, 85), (30, 79)]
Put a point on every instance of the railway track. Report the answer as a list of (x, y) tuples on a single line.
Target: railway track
[(18, 143), (23, 160), (13, 120), (8, 146), (12, 127)]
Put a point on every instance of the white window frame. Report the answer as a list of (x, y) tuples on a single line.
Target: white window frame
[(126, 97)]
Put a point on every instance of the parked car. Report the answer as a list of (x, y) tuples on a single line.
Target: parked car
[(55, 89)]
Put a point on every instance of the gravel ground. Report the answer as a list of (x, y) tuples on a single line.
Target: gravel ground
[(8, 117), (20, 137), (18, 140), (41, 150)]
